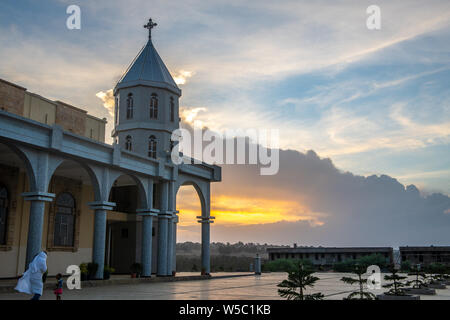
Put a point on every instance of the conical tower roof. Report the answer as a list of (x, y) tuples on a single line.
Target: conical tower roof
[(148, 69)]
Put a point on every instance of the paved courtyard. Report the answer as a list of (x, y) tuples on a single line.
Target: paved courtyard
[(240, 288)]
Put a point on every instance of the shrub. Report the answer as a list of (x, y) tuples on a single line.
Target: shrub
[(83, 268), (136, 267), (365, 261), (92, 268), (286, 265), (406, 266)]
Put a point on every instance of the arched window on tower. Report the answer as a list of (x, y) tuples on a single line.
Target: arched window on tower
[(154, 106), (3, 214), (130, 106), (129, 143), (64, 220), (152, 147), (172, 109)]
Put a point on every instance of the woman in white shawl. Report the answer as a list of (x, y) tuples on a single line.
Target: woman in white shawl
[(31, 281)]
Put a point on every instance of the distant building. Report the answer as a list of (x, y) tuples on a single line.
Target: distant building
[(327, 256), (426, 255)]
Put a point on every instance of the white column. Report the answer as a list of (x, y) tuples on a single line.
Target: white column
[(146, 246), (170, 229), (174, 254), (98, 251), (163, 226), (257, 265), (36, 222), (205, 222)]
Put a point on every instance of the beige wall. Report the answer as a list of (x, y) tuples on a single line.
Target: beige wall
[(95, 128), (13, 259), (39, 109)]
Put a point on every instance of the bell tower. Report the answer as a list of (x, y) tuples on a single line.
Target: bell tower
[(146, 104)]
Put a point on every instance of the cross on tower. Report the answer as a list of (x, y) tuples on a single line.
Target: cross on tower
[(150, 25)]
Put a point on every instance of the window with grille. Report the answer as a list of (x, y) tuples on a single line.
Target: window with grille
[(64, 220)]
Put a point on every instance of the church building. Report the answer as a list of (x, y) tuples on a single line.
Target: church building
[(64, 190)]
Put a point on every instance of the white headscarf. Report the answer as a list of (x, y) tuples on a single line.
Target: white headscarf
[(31, 281), (39, 263)]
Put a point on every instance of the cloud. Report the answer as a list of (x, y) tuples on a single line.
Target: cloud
[(181, 76), (312, 202), (107, 98), (188, 115), (356, 210)]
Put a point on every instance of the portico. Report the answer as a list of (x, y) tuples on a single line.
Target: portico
[(59, 221)]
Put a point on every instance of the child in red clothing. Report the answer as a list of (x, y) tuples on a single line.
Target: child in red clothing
[(59, 286)]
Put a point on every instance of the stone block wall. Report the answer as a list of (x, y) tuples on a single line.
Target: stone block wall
[(12, 97), (71, 118)]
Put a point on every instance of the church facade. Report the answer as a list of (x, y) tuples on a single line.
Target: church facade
[(64, 190)]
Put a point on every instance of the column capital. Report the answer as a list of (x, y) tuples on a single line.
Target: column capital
[(101, 205), (147, 212), (203, 219), (165, 214), (38, 196)]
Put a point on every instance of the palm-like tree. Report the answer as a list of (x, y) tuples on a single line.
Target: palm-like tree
[(363, 295), (396, 283), (420, 279), (298, 280)]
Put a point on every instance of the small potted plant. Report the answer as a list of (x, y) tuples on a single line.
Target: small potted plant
[(437, 271), (360, 294), (395, 285), (419, 283), (92, 268), (107, 270), (84, 271), (299, 279), (136, 269)]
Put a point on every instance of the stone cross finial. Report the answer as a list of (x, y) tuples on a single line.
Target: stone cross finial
[(150, 25)]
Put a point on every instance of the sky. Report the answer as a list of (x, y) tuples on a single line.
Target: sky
[(364, 110)]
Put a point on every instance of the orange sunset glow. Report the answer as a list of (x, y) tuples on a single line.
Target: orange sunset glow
[(233, 210)]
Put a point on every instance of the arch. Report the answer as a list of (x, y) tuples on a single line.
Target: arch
[(26, 159), (67, 178), (188, 181), (88, 174), (152, 145), (142, 201), (154, 106), (130, 106)]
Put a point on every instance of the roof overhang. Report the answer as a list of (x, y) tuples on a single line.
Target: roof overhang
[(147, 83)]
